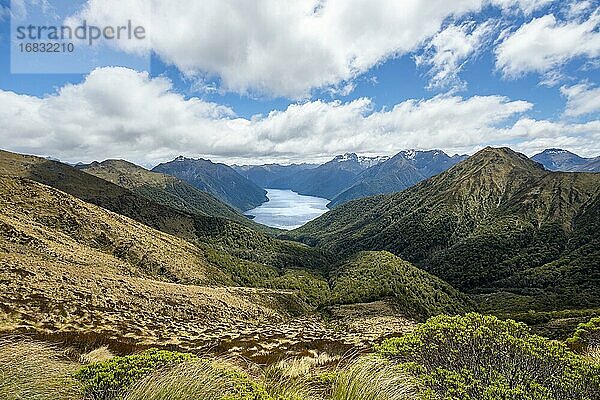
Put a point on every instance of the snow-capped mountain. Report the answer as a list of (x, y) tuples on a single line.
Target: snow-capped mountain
[(564, 160)]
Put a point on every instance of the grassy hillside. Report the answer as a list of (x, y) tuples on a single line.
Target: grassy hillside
[(42, 223), (215, 234), (70, 270), (167, 190), (97, 191), (494, 216)]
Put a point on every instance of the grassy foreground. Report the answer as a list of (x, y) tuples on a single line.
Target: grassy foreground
[(462, 357)]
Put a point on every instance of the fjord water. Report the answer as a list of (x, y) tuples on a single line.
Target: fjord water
[(287, 209)]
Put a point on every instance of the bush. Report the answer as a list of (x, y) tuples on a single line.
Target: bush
[(110, 379), (587, 335), (193, 380), (482, 357)]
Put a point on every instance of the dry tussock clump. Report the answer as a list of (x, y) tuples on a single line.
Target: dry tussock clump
[(593, 355), (97, 355), (35, 371)]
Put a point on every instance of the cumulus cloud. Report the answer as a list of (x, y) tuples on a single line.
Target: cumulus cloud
[(284, 48), (280, 48), (121, 113), (545, 43), (535, 136), (447, 52), (581, 99)]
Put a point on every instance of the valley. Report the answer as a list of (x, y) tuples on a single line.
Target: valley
[(300, 200), (111, 255)]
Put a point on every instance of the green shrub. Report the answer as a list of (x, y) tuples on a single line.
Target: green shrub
[(587, 335), (311, 287), (241, 387), (110, 379), (482, 357)]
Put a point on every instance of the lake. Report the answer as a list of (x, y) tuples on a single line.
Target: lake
[(287, 209)]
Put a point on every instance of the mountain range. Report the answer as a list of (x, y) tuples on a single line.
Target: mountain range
[(351, 176), (344, 178), (494, 223), (564, 160), (328, 179), (118, 230), (495, 232), (271, 176), (397, 173), (164, 189)]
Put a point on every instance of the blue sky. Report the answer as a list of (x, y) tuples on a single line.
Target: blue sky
[(283, 83)]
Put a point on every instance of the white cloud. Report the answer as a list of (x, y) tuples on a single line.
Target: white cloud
[(526, 6), (285, 48), (578, 7), (581, 99), (121, 113), (544, 44), (281, 48), (583, 139), (448, 51)]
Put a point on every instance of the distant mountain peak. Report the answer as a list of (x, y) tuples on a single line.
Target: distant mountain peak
[(346, 157), (554, 159), (556, 151), (368, 162), (409, 154), (363, 161)]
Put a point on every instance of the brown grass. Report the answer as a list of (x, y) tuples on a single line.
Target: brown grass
[(35, 371), (97, 355)]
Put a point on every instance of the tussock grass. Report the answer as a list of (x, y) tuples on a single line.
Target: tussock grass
[(302, 366), (372, 378), (191, 380), (593, 355), (35, 371), (279, 384), (97, 355)]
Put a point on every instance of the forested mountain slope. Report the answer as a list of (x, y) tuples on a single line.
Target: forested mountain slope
[(402, 171), (486, 220), (166, 190), (217, 179)]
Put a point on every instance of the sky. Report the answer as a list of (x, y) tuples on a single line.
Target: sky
[(302, 80)]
